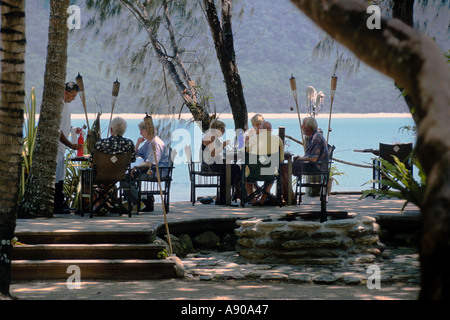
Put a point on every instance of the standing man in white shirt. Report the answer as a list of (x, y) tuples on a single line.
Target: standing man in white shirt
[(70, 94)]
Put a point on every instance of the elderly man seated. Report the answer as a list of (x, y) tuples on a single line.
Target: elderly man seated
[(315, 152), (265, 151)]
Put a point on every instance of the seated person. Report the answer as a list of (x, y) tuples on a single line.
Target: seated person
[(256, 121), (212, 159), (264, 145), (145, 152), (115, 144), (146, 167), (316, 150)]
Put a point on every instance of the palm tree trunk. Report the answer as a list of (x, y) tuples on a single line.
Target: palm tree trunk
[(12, 102), (38, 198)]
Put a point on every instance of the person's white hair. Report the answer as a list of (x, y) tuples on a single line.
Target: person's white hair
[(257, 118), (310, 122), (119, 126), (142, 126)]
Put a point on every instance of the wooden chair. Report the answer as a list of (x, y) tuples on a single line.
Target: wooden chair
[(150, 186), (317, 179), (261, 168), (401, 150), (107, 171), (200, 178)]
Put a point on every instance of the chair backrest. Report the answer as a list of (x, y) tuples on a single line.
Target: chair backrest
[(400, 150), (330, 153), (330, 157), (262, 166), (172, 155), (111, 168), (188, 152)]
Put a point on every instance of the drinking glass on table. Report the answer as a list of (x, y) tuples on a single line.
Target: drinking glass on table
[(287, 144)]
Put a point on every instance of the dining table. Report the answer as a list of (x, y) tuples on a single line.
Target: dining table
[(231, 156)]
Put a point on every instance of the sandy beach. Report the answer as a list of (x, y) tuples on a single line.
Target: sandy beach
[(266, 115)]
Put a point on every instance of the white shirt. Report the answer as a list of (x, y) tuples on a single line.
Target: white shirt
[(64, 127)]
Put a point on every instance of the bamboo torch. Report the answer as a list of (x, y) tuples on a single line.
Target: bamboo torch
[(115, 93), (79, 80), (294, 93), (151, 129), (333, 91)]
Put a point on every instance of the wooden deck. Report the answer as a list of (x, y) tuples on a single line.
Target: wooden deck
[(182, 212)]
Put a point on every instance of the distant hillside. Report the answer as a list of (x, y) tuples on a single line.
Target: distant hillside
[(273, 43)]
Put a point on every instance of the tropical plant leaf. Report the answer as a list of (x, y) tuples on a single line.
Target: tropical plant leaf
[(398, 182)]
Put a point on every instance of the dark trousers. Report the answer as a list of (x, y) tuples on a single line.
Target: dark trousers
[(59, 197)]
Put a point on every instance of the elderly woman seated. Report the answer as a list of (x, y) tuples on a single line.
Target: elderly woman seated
[(114, 145), (212, 159)]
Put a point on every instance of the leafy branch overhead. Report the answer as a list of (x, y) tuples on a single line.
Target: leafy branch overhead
[(156, 25)]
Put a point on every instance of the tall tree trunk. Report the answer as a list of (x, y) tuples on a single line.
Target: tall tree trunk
[(12, 102), (223, 41), (38, 198), (418, 65)]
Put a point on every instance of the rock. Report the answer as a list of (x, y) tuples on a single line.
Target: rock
[(353, 279), (274, 276), (308, 243), (341, 224), (179, 267), (325, 279), (207, 240), (300, 277), (186, 244), (305, 225), (206, 277), (367, 258), (228, 242)]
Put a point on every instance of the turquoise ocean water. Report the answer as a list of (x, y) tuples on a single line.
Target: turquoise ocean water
[(347, 135)]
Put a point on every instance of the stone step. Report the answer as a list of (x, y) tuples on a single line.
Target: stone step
[(84, 237), (101, 269), (102, 255), (86, 251)]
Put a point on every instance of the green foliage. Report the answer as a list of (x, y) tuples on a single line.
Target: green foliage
[(71, 186), (334, 172), (399, 183), (29, 140), (163, 254)]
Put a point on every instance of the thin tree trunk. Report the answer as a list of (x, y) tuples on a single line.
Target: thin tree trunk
[(39, 192), (418, 65), (223, 40), (12, 102), (182, 83)]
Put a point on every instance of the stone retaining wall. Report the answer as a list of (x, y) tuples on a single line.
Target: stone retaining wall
[(275, 240)]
